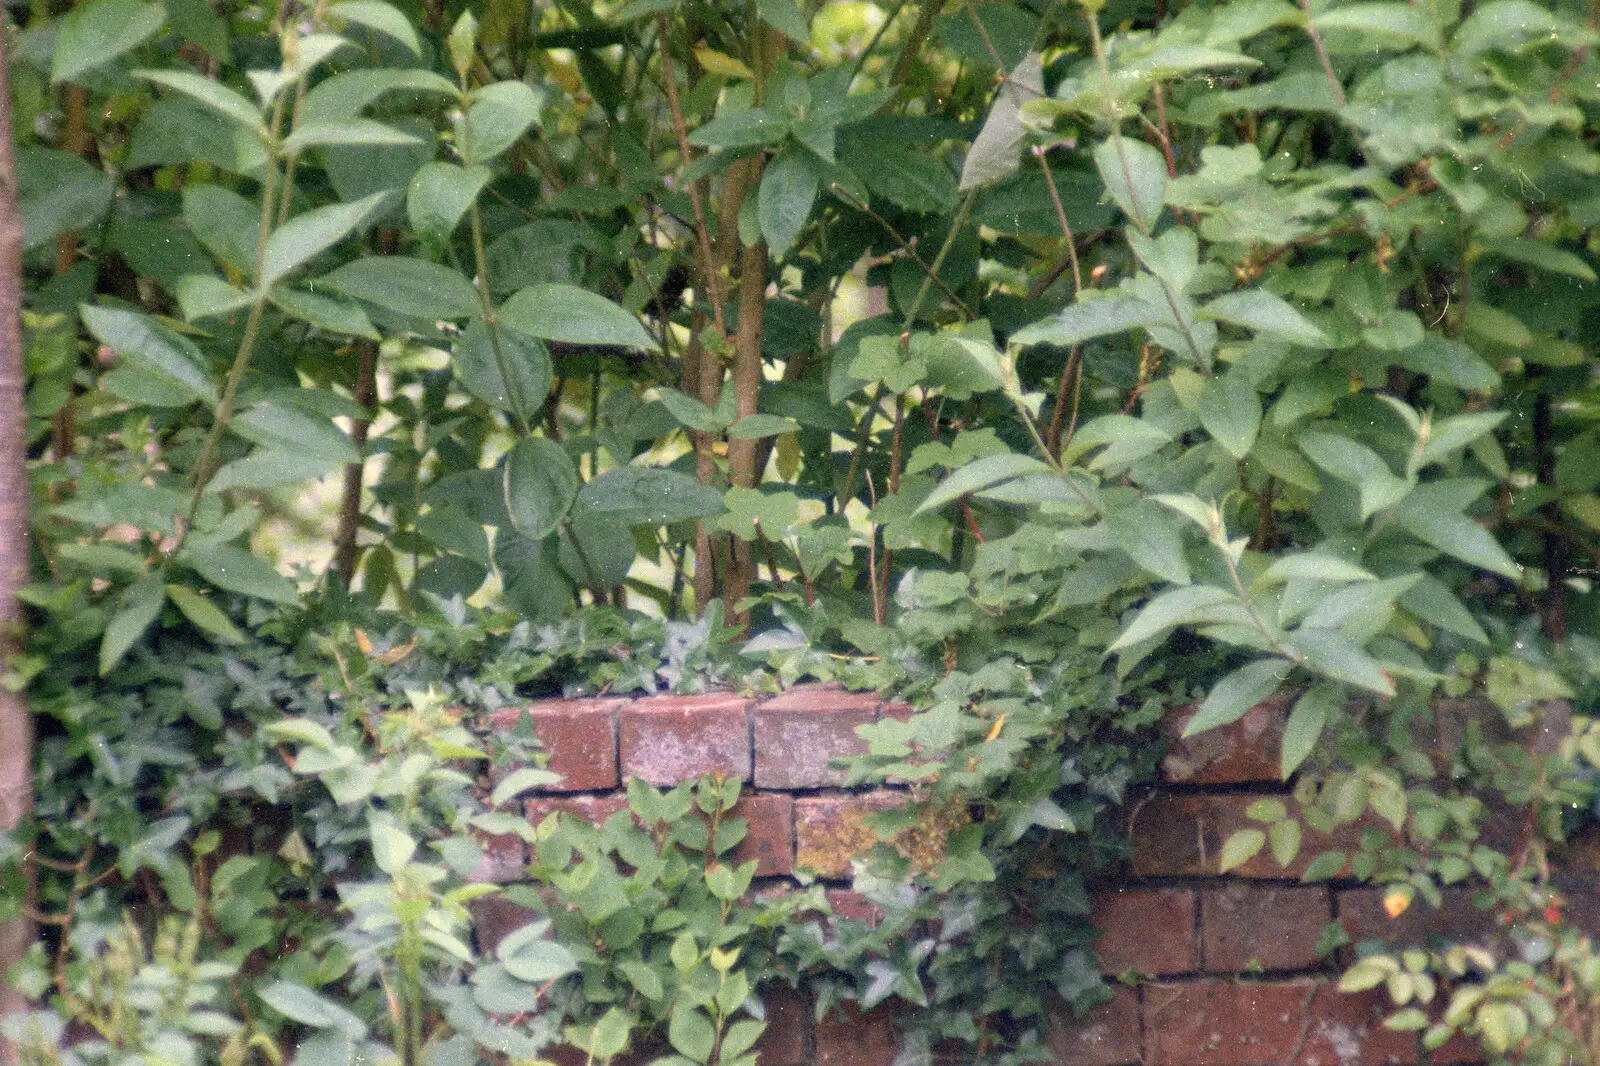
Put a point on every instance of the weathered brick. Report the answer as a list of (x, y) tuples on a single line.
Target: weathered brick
[(799, 732), (581, 737), (846, 1037), (1281, 1023), (852, 906), (1246, 927), (1108, 1035), (668, 739), (494, 918), (503, 859), (829, 831), (592, 809), (785, 1039), (770, 840), (1244, 751), (1182, 836), (1361, 914), (1147, 930)]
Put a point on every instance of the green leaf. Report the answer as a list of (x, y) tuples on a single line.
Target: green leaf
[(204, 614), (537, 960), (195, 22), (1240, 848), (324, 312), (996, 152), (786, 17), (1326, 865), (1334, 655), (392, 846), (1543, 255), (1234, 695), (96, 33), (740, 1037), (237, 570), (136, 609), (344, 131), (279, 425), (1451, 362), (405, 285), (646, 495), (218, 98), (788, 191), (1089, 318), (1493, 324), (302, 1005), (1136, 177), (305, 235), (1230, 410), (206, 296), (1453, 434), (57, 192), (343, 96), (1358, 464), (1310, 566), (152, 347), (1432, 601), (224, 222), (500, 113), (1383, 25), (376, 15), (979, 475), (1284, 839), (1312, 712), (527, 361), (1433, 514), (906, 178), (690, 1032), (1173, 608), (690, 411), (1147, 533), (741, 129), (540, 485), (1264, 312), (439, 195), (572, 315)]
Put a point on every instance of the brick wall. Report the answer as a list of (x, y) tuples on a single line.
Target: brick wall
[(1225, 969)]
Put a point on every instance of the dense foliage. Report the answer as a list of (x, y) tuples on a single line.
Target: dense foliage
[(1045, 363)]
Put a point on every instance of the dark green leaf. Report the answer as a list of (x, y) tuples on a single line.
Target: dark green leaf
[(409, 286), (572, 315), (136, 609), (153, 347), (640, 495), (540, 485), (788, 191), (94, 34)]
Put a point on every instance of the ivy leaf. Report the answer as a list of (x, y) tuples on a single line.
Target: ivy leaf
[(788, 191), (540, 485), (571, 315), (1236, 693), (1311, 714), (137, 609), (1136, 177), (96, 33)]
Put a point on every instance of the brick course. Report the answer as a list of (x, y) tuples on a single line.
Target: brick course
[(1228, 969)]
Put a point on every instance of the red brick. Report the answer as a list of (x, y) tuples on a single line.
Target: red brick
[(1349, 1028), (829, 831), (503, 859), (592, 809), (846, 1037), (770, 840), (1458, 920), (494, 918), (1106, 1036), (1245, 927), (1286, 1023), (852, 906), (1182, 836), (1247, 750), (668, 739), (1147, 930), (581, 737), (784, 1041), (799, 732)]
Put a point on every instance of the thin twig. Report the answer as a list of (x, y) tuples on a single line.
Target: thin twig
[(708, 268)]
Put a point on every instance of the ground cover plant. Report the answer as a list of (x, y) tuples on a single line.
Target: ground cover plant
[(1047, 364)]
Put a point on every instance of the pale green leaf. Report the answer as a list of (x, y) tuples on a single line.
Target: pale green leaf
[(1234, 695), (94, 34), (1136, 176), (571, 315), (376, 15)]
